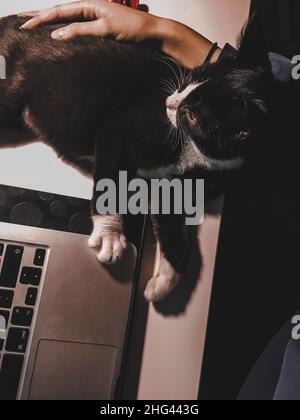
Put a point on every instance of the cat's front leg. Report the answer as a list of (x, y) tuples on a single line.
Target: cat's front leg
[(174, 247), (108, 240)]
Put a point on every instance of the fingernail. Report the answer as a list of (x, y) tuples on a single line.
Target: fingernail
[(24, 26), (57, 34)]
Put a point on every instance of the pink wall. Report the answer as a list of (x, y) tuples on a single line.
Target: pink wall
[(218, 20)]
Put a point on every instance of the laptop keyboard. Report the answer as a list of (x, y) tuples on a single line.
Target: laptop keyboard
[(21, 272)]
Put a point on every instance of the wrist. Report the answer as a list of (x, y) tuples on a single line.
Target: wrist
[(182, 43), (166, 32)]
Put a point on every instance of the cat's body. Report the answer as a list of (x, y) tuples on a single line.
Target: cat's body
[(102, 107), (66, 92)]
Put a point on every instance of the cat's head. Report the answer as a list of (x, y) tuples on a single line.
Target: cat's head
[(221, 106)]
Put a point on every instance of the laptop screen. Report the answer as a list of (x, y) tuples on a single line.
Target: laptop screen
[(36, 167)]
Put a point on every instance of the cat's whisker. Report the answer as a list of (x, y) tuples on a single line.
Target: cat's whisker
[(172, 132), (184, 135), (168, 85), (181, 134), (176, 136), (173, 85), (171, 139), (183, 74), (180, 71), (183, 71), (171, 68), (172, 136), (174, 140), (166, 90)]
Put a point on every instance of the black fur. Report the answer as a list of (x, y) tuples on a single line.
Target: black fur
[(101, 106), (230, 110)]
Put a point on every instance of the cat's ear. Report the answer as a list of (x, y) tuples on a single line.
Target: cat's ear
[(252, 45)]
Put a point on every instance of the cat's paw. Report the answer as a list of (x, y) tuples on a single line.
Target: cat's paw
[(108, 246), (107, 240), (160, 286)]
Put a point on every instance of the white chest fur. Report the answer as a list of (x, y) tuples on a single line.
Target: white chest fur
[(191, 158)]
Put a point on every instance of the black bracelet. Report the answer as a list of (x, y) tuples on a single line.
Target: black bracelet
[(211, 53)]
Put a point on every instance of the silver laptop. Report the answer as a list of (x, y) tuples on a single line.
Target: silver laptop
[(63, 316)]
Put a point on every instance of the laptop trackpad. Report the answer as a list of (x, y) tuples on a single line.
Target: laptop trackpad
[(73, 371)]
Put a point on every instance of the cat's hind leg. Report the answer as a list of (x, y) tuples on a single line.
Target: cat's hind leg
[(174, 247)]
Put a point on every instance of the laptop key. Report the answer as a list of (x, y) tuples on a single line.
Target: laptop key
[(22, 317), (6, 298), (10, 375), (17, 340), (5, 315), (11, 266), (31, 296), (30, 275), (39, 257)]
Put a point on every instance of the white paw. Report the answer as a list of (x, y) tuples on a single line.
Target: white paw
[(160, 286), (107, 239), (109, 246)]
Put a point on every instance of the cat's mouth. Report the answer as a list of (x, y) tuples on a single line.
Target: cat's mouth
[(180, 114), (183, 115), (175, 101), (172, 115)]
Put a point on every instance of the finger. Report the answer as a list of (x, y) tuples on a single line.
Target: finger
[(34, 13), (55, 14), (28, 14), (78, 29)]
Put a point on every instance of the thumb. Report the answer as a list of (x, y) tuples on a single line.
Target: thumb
[(77, 29)]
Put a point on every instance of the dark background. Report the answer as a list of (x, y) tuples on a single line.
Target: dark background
[(281, 23), (257, 280)]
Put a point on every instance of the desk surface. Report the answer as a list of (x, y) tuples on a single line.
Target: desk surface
[(173, 346)]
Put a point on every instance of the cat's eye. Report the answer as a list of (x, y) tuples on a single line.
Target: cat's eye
[(191, 117), (242, 136)]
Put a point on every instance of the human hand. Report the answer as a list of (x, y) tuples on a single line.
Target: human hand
[(99, 18), (109, 18)]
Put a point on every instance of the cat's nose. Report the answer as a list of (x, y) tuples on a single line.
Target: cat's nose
[(172, 103)]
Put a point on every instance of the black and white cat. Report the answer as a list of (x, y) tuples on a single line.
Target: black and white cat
[(101, 106)]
